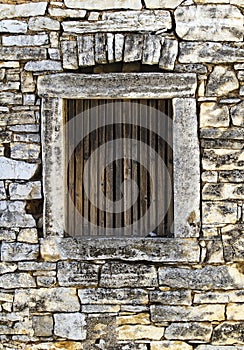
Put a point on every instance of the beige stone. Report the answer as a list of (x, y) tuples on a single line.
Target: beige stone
[(189, 331), (228, 333), (212, 114), (235, 296), (141, 318), (170, 345), (235, 312), (140, 332), (28, 235), (60, 345), (223, 191), (237, 114), (223, 159), (219, 212), (104, 4), (222, 80)]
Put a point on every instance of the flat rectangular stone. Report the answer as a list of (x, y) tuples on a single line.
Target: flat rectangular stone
[(101, 48), (30, 190), (151, 49), (135, 332), (233, 242), (123, 85), (70, 54), (11, 85), (219, 347), (219, 212), (133, 47), (86, 50), (170, 297), (222, 191), (235, 296), (170, 345), (228, 333), (118, 47), (25, 151), (22, 53), (162, 4), (12, 169), (19, 251), (24, 10), (104, 4), (95, 309), (210, 52), (77, 274), (17, 280), (58, 12), (231, 176), (13, 26), (189, 331), (43, 23), (169, 53), (126, 21), (25, 40), (223, 159), (40, 66)]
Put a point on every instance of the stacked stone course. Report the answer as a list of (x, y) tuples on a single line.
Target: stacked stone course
[(63, 293)]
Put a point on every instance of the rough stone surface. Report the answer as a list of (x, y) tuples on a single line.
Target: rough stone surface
[(164, 4), (25, 40), (30, 190), (181, 297), (13, 26), (23, 10), (40, 66), (233, 242), (43, 23), (237, 114), (221, 81), (77, 274), (185, 330), (17, 280), (170, 345), (70, 326), (19, 251), (213, 115), (219, 212), (228, 333), (169, 54), (42, 325), (128, 332), (104, 5)]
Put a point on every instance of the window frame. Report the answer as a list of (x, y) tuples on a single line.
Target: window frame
[(179, 87)]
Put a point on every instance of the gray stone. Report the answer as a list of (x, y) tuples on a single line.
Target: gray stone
[(70, 326), (2, 191), (13, 26), (118, 47), (11, 85), (22, 53), (97, 309), (168, 54), (113, 296), (170, 345), (77, 274), (221, 23), (10, 98), (210, 52), (222, 159), (27, 138), (19, 251), (123, 21), (228, 333), (42, 325), (64, 13), (237, 114), (171, 297), (151, 49), (162, 4), (214, 115), (103, 4), (222, 80), (43, 23), (212, 347), (7, 267), (17, 280), (30, 190), (23, 10), (26, 151), (231, 176), (28, 235), (118, 275), (46, 281), (47, 299), (45, 65), (86, 51), (233, 242), (206, 278), (70, 54), (163, 313), (219, 213), (7, 235), (27, 82), (36, 266), (189, 331), (219, 297), (110, 47), (223, 191), (25, 40), (100, 48), (133, 47), (19, 219)]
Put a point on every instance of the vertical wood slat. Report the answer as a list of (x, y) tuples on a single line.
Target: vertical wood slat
[(120, 170)]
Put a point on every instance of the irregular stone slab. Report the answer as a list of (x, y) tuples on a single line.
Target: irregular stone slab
[(146, 85), (11, 85), (110, 47), (2, 191), (169, 54), (162, 4), (46, 65), (47, 299), (209, 23), (222, 80), (235, 312), (19, 251), (223, 136), (171, 297), (77, 274), (133, 47), (70, 326), (189, 331), (207, 278), (219, 213), (70, 54), (213, 114), (58, 12), (20, 219), (60, 345), (123, 21), (26, 151), (140, 332), (151, 49), (104, 4), (159, 250), (7, 267), (23, 10), (25, 40), (17, 280), (116, 275), (30, 190), (233, 242), (237, 114), (101, 48), (113, 296), (43, 23), (142, 318), (22, 53), (222, 159), (161, 313), (228, 333), (118, 47), (218, 347), (211, 52), (13, 26), (86, 50), (36, 266)]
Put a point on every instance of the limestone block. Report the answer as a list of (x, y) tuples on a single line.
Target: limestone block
[(30, 190), (59, 345), (46, 281), (25, 40), (70, 54), (231, 176), (127, 332), (45, 65), (25, 128), (43, 23), (36, 266), (218, 347), (42, 325), (11, 85), (2, 191), (86, 50), (242, 90), (235, 312), (237, 114), (214, 250), (118, 275), (222, 80), (7, 267), (7, 235), (228, 333), (97, 309), (123, 21), (77, 274), (113, 296), (233, 242), (210, 52), (133, 47), (192, 331), (20, 219), (54, 54), (27, 138), (19, 251), (118, 47), (219, 213), (47, 299), (142, 318), (162, 4), (170, 345), (22, 53), (213, 114), (236, 296), (209, 23), (210, 176), (101, 48), (168, 54), (151, 49), (170, 297), (13, 26), (104, 4), (222, 191), (27, 82), (17, 280), (25, 151), (110, 47), (162, 313), (6, 297), (222, 159), (207, 278), (57, 12), (70, 326), (23, 10)]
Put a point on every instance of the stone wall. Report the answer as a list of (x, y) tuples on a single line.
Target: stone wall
[(58, 293)]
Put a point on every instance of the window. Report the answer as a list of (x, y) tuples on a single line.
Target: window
[(180, 89)]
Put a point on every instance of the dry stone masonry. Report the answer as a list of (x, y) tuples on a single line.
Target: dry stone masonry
[(148, 294)]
